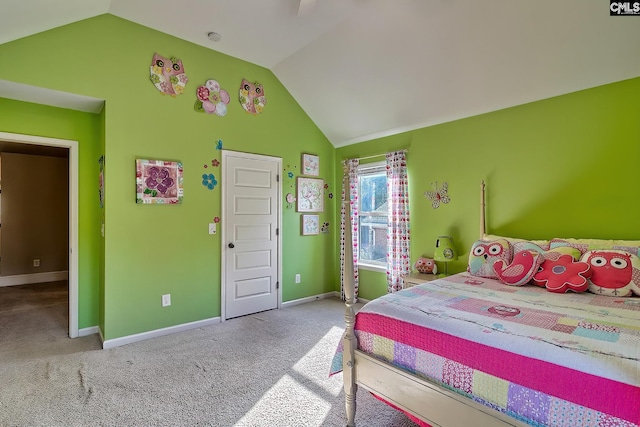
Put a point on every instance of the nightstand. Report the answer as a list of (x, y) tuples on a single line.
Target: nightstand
[(417, 278)]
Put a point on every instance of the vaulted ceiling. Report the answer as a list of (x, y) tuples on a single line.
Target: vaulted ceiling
[(363, 69)]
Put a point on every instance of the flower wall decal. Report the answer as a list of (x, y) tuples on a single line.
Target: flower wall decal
[(209, 181), (212, 98)]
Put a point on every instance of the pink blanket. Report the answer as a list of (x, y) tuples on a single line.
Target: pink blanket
[(544, 358)]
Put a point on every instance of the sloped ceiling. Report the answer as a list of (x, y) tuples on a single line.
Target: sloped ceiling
[(363, 69)]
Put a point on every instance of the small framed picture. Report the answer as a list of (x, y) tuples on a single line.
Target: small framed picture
[(310, 165), (158, 181), (310, 194), (310, 225)]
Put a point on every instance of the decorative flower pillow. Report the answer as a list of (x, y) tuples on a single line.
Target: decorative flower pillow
[(484, 253), (521, 269), (614, 272), (563, 274)]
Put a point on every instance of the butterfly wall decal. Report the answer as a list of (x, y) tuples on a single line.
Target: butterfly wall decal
[(438, 196)]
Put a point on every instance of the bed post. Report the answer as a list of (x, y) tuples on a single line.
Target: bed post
[(483, 225), (349, 342)]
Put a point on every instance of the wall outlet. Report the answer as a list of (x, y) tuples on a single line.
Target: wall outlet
[(36, 263), (166, 300), (297, 278)]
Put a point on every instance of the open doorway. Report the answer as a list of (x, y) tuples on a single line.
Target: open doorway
[(44, 148)]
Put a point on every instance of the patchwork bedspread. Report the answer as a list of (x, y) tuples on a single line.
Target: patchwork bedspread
[(544, 358)]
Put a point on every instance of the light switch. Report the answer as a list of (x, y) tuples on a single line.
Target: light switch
[(212, 228)]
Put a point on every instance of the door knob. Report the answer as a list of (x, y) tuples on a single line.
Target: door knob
[(231, 245)]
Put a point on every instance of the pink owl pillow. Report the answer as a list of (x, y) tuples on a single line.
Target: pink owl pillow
[(614, 272), (484, 253)]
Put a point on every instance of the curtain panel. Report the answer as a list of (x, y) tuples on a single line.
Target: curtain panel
[(398, 255)]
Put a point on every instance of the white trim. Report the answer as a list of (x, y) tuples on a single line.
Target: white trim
[(89, 331), (27, 279), (373, 168), (223, 240), (73, 213), (54, 98), (117, 342), (371, 267), (310, 299)]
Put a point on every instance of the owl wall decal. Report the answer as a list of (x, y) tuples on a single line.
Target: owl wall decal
[(251, 97), (614, 273), (167, 75)]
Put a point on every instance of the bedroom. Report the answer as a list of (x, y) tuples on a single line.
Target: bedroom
[(560, 166)]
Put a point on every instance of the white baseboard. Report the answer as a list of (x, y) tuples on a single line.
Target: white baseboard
[(88, 331), (310, 299), (27, 279), (117, 342)]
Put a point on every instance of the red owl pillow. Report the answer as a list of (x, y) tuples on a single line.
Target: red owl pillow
[(484, 253), (614, 272)]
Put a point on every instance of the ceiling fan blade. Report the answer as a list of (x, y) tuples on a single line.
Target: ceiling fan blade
[(306, 7)]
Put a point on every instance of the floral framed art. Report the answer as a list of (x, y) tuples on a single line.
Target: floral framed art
[(310, 225), (158, 182), (310, 194), (310, 165)]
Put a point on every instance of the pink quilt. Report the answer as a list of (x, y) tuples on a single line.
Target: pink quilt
[(546, 359)]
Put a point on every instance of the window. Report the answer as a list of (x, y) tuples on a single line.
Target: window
[(372, 215)]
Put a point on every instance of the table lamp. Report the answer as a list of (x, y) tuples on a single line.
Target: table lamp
[(445, 252)]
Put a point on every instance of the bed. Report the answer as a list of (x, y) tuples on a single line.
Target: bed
[(470, 351)]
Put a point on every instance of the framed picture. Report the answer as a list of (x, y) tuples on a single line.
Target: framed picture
[(310, 225), (310, 165), (158, 181), (310, 194)]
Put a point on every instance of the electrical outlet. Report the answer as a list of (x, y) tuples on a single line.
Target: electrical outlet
[(166, 300), (36, 263), (297, 278)]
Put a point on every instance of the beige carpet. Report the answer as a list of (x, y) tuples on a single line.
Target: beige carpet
[(267, 369)]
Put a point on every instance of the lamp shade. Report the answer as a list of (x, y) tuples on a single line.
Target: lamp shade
[(445, 251)]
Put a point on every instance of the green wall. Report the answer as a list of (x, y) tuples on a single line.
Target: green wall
[(150, 250), (33, 119), (562, 167)]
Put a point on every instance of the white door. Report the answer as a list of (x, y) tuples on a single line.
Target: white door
[(251, 218)]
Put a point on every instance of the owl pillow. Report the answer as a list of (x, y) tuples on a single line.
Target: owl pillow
[(614, 272), (484, 253)]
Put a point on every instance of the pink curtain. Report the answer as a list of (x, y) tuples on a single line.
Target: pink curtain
[(398, 256), (351, 172)]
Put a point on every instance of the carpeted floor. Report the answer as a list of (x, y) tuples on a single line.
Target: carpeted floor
[(266, 369)]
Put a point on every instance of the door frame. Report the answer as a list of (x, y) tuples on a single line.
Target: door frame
[(73, 213), (223, 240)]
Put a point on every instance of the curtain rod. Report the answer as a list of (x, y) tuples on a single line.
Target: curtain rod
[(373, 156)]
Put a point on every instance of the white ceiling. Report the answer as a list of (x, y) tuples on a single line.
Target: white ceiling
[(362, 69)]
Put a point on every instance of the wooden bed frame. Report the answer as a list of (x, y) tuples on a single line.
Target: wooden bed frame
[(423, 399)]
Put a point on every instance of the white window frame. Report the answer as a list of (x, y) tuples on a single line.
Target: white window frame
[(373, 168)]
